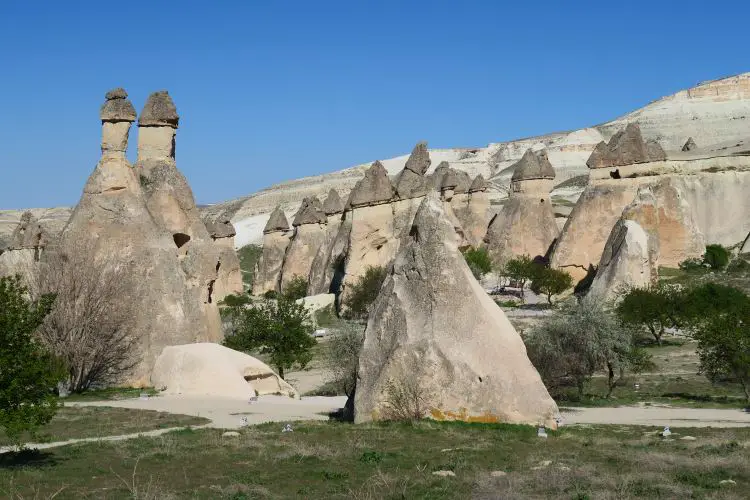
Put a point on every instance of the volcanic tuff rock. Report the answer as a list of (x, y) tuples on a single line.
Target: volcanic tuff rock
[(625, 148), (373, 189), (23, 251), (626, 262), (310, 212), (434, 327), (478, 184), (276, 236), (309, 236), (419, 159), (114, 221), (321, 272), (117, 107), (526, 225), (159, 111), (333, 204), (689, 145)]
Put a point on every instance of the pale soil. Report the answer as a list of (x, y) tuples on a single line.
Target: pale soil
[(657, 416)]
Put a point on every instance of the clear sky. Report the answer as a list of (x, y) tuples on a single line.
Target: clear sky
[(270, 90)]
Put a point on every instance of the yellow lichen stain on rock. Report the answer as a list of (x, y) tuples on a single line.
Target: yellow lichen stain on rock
[(463, 416)]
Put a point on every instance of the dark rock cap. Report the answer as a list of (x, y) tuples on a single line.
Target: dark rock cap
[(277, 221), (159, 111), (436, 178), (626, 147), (689, 145), (333, 204), (117, 107), (221, 229), (533, 166), (419, 160), (478, 184), (411, 185), (310, 212), (457, 180), (375, 188)]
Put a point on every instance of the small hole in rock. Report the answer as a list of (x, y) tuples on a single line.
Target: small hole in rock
[(480, 379)]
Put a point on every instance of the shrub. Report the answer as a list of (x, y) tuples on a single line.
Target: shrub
[(520, 270), (364, 292), (27, 374), (716, 257), (568, 348), (406, 400), (341, 356), (550, 282), (479, 261), (652, 309), (249, 256), (296, 288), (91, 326), (693, 264), (280, 329)]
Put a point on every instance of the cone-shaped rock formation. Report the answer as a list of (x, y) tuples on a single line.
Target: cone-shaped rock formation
[(276, 237)]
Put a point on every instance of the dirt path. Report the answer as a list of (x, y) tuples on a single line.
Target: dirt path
[(657, 416)]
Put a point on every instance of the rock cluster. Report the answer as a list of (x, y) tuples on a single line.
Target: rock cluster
[(145, 218), (24, 249), (434, 329), (526, 225)]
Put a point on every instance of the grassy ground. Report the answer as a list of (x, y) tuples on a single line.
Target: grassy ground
[(92, 421), (333, 460)]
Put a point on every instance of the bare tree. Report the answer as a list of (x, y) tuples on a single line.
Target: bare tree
[(91, 325)]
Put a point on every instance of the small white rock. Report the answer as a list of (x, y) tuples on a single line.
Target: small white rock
[(231, 434), (688, 438), (444, 473), (545, 463), (727, 482), (498, 473)]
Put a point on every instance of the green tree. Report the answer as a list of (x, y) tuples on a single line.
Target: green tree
[(653, 309), (570, 347), (249, 255), (717, 257), (296, 288), (520, 270), (280, 329), (479, 261), (364, 292), (27, 371), (550, 281)]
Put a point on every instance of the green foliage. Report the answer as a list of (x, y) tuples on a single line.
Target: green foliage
[(693, 264), (479, 261), (325, 317), (568, 348), (520, 270), (296, 288), (364, 292), (341, 356), (550, 281), (270, 294), (279, 329), (716, 256), (652, 309), (27, 371), (249, 256)]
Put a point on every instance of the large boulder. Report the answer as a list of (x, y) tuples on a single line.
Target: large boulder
[(433, 327), (206, 369)]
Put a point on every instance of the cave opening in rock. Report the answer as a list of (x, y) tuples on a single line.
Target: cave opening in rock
[(211, 291), (615, 174), (180, 239)]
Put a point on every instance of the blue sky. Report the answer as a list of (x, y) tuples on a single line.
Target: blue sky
[(274, 90)]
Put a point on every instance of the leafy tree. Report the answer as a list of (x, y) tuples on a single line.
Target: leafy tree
[(520, 270), (550, 281), (568, 348), (653, 309), (716, 256), (341, 359), (280, 329), (27, 373), (296, 288), (249, 255), (479, 261), (364, 292)]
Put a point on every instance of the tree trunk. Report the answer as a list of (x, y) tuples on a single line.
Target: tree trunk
[(280, 370), (610, 380)]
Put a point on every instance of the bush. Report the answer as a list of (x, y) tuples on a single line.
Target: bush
[(550, 282), (568, 348), (693, 264), (280, 329), (479, 261), (341, 357), (364, 292), (296, 288), (91, 326), (652, 309), (27, 373), (406, 400), (520, 270), (716, 257)]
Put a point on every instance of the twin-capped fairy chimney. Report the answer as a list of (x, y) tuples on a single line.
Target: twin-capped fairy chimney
[(310, 212), (117, 113), (156, 127), (159, 111), (277, 221), (533, 166), (419, 160), (375, 188), (626, 147), (478, 184), (333, 204)]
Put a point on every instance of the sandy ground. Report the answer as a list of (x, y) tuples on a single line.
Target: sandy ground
[(657, 416)]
